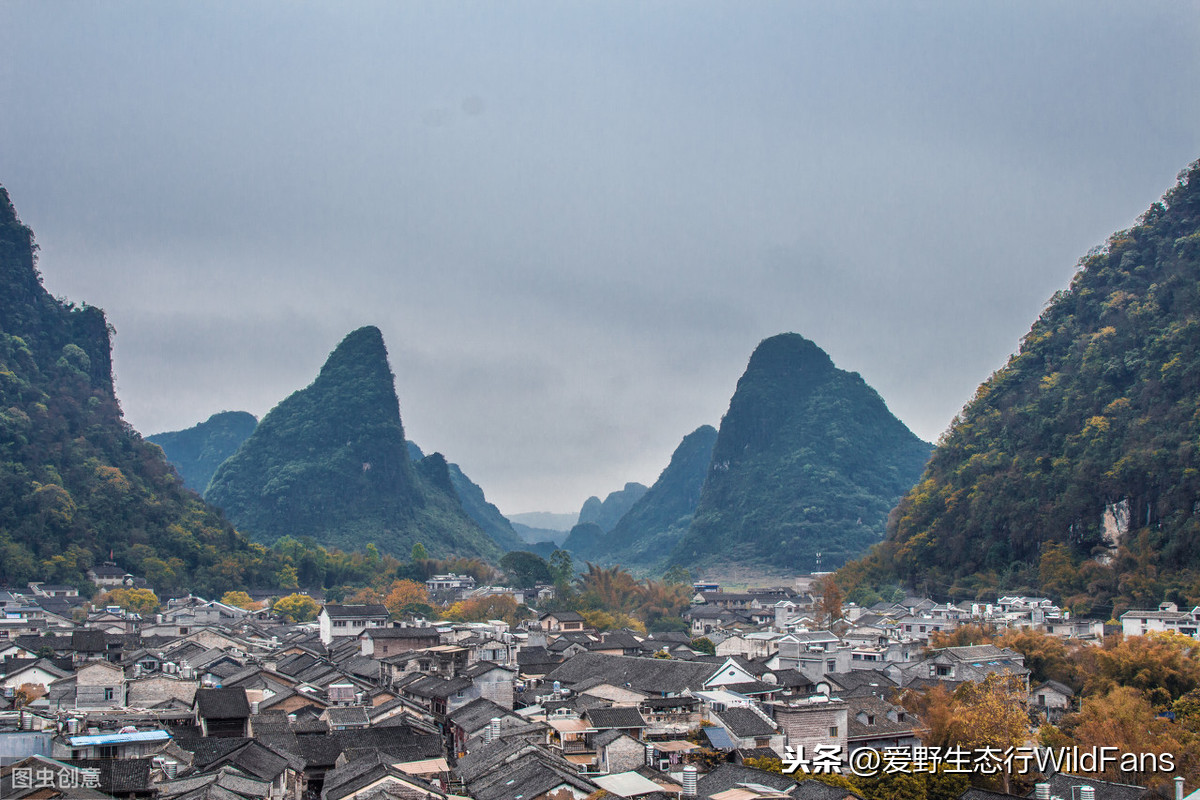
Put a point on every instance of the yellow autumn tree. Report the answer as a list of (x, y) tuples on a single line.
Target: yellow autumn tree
[(481, 609), (296, 608), (238, 600), (1125, 719), (990, 714), (365, 597), (404, 594), (136, 601)]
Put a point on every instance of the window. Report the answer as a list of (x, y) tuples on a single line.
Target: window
[(833, 731), (108, 693)]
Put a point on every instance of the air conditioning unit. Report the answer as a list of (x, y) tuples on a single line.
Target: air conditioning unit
[(664, 765)]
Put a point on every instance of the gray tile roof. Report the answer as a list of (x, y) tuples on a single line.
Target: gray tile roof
[(615, 717), (223, 703), (355, 612), (649, 675), (744, 723)]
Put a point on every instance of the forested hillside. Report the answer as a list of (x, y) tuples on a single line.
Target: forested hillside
[(647, 533), (1075, 469), (76, 481), (808, 460), (197, 451), (330, 462)]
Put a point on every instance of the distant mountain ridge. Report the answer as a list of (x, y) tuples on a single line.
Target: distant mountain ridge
[(547, 520), (197, 451), (808, 460), (608, 513), (331, 462), (647, 533), (475, 503)]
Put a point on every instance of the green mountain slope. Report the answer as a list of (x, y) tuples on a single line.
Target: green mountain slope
[(646, 535), (76, 481), (608, 513), (808, 459), (475, 503), (197, 451), (1075, 470), (331, 462)]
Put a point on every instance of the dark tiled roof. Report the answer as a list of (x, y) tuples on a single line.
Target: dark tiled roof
[(650, 675), (323, 751), (223, 703), (88, 642), (440, 688), (813, 789), (615, 717), (412, 632), (751, 687), (1064, 784), (744, 723), (876, 710), (863, 682), (117, 775), (349, 715), (791, 678), (729, 776), (355, 612)]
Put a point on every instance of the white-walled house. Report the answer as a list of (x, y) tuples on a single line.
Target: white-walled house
[(339, 622)]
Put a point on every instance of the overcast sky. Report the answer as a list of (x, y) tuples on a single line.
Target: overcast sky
[(574, 221)]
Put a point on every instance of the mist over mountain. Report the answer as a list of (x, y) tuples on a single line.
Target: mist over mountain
[(196, 452), (808, 460), (1075, 469), (547, 520), (331, 462)]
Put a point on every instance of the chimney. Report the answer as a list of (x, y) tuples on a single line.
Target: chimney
[(493, 732), (172, 769), (689, 781), (1087, 793), (1179, 787), (254, 706), (1041, 791), (649, 755)]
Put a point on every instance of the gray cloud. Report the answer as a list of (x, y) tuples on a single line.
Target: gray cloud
[(574, 222)]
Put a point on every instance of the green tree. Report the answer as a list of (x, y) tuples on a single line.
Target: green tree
[(419, 553), (704, 645), (562, 568), (287, 578), (524, 569), (678, 574)]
